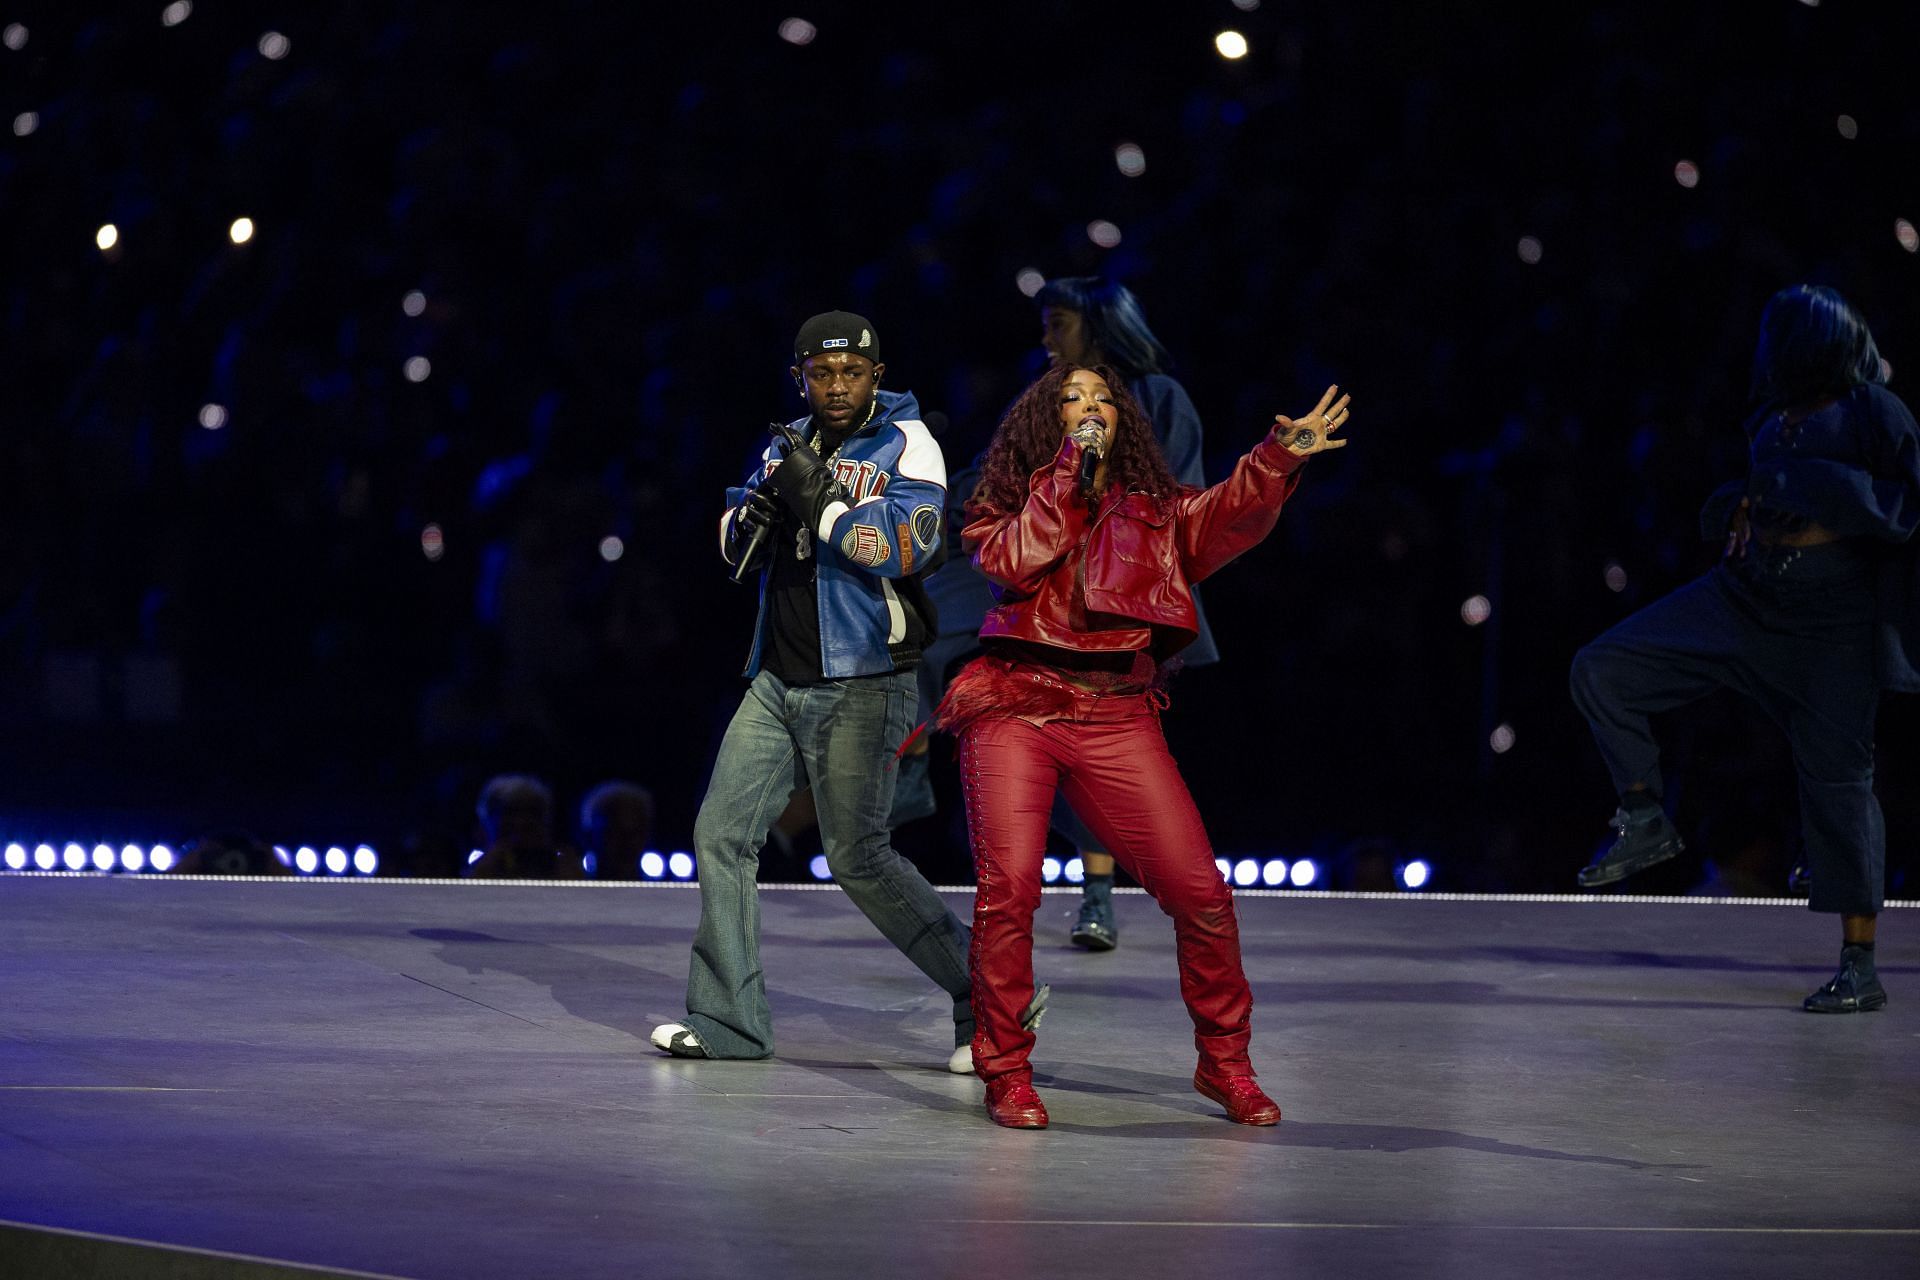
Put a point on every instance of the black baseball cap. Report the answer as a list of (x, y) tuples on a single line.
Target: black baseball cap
[(837, 331)]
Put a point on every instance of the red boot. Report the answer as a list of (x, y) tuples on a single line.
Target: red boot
[(1245, 1101), (1012, 1103)]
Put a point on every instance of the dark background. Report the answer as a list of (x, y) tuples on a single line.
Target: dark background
[(618, 215)]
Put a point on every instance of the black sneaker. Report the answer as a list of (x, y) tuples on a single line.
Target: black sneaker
[(1094, 930), (1850, 991), (1641, 838)]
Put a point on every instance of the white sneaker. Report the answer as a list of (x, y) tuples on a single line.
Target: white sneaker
[(960, 1061), (678, 1039)]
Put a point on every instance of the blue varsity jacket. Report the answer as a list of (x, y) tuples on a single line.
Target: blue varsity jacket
[(866, 549)]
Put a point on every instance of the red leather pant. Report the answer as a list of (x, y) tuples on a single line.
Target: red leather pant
[(1110, 758)]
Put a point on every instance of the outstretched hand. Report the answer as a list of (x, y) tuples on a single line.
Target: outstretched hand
[(1313, 433)]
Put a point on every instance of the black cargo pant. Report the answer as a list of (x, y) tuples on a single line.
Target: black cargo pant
[(1791, 628)]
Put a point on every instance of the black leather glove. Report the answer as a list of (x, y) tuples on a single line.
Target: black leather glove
[(758, 512), (806, 484)]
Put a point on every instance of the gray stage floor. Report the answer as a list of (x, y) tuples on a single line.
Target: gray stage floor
[(430, 1080)]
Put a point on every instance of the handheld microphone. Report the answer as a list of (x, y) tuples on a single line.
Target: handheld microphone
[(761, 534), (1089, 465)]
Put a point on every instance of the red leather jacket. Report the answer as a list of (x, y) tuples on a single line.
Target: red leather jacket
[(1117, 579)]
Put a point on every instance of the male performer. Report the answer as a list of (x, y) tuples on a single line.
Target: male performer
[(838, 524)]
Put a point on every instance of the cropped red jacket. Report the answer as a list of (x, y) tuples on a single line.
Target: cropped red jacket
[(1117, 579)]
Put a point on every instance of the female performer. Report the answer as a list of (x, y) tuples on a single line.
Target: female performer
[(1809, 612), (1093, 547)]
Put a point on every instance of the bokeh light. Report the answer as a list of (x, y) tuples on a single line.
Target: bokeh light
[(365, 860), (107, 236), (14, 37), (433, 542), (1303, 873), (1029, 281), (1246, 871), (1615, 576), (1274, 874), (336, 860), (681, 865), (16, 857), (1475, 610), (161, 858), (1103, 233), (213, 416), (817, 867), (1132, 161), (1075, 871), (1501, 739), (1909, 238), (176, 13), (1049, 869), (25, 123), (1849, 127), (45, 857), (275, 46), (1530, 249), (415, 303), (1416, 874), (305, 860), (798, 31), (417, 368), (652, 865), (1231, 45), (73, 857), (612, 548), (104, 857), (241, 231), (1687, 173), (133, 858)]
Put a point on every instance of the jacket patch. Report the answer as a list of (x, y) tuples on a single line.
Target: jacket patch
[(926, 527), (905, 540), (865, 545), (862, 479)]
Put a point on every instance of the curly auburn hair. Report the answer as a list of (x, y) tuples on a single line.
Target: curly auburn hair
[(1029, 436)]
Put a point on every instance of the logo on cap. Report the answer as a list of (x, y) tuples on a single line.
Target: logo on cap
[(866, 339), (836, 342)]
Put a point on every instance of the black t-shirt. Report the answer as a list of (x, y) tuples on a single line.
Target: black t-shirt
[(793, 608)]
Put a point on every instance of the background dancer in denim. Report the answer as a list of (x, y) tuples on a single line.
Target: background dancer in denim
[(1094, 547), (1810, 612), (846, 515)]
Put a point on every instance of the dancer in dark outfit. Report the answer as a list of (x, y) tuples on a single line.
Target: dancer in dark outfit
[(1810, 613)]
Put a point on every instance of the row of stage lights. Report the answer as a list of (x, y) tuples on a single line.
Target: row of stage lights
[(1247, 873), (104, 858)]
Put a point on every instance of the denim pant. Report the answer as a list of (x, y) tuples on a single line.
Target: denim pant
[(839, 737), (1791, 628)]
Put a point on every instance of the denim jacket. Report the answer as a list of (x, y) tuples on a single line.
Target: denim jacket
[(874, 616)]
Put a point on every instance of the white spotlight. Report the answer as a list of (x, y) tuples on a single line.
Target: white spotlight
[(1049, 870), (161, 858), (612, 548), (45, 857), (474, 857), (817, 867), (213, 416), (286, 858), (336, 861), (1304, 873), (652, 865), (176, 13), (1274, 874), (1245, 872), (73, 857), (107, 236), (305, 861), (1224, 867), (104, 857), (681, 865), (1231, 44), (241, 231), (16, 857), (365, 860), (275, 46), (1075, 871), (1416, 874), (133, 858)]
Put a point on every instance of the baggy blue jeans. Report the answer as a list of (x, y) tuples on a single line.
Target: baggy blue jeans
[(839, 737)]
